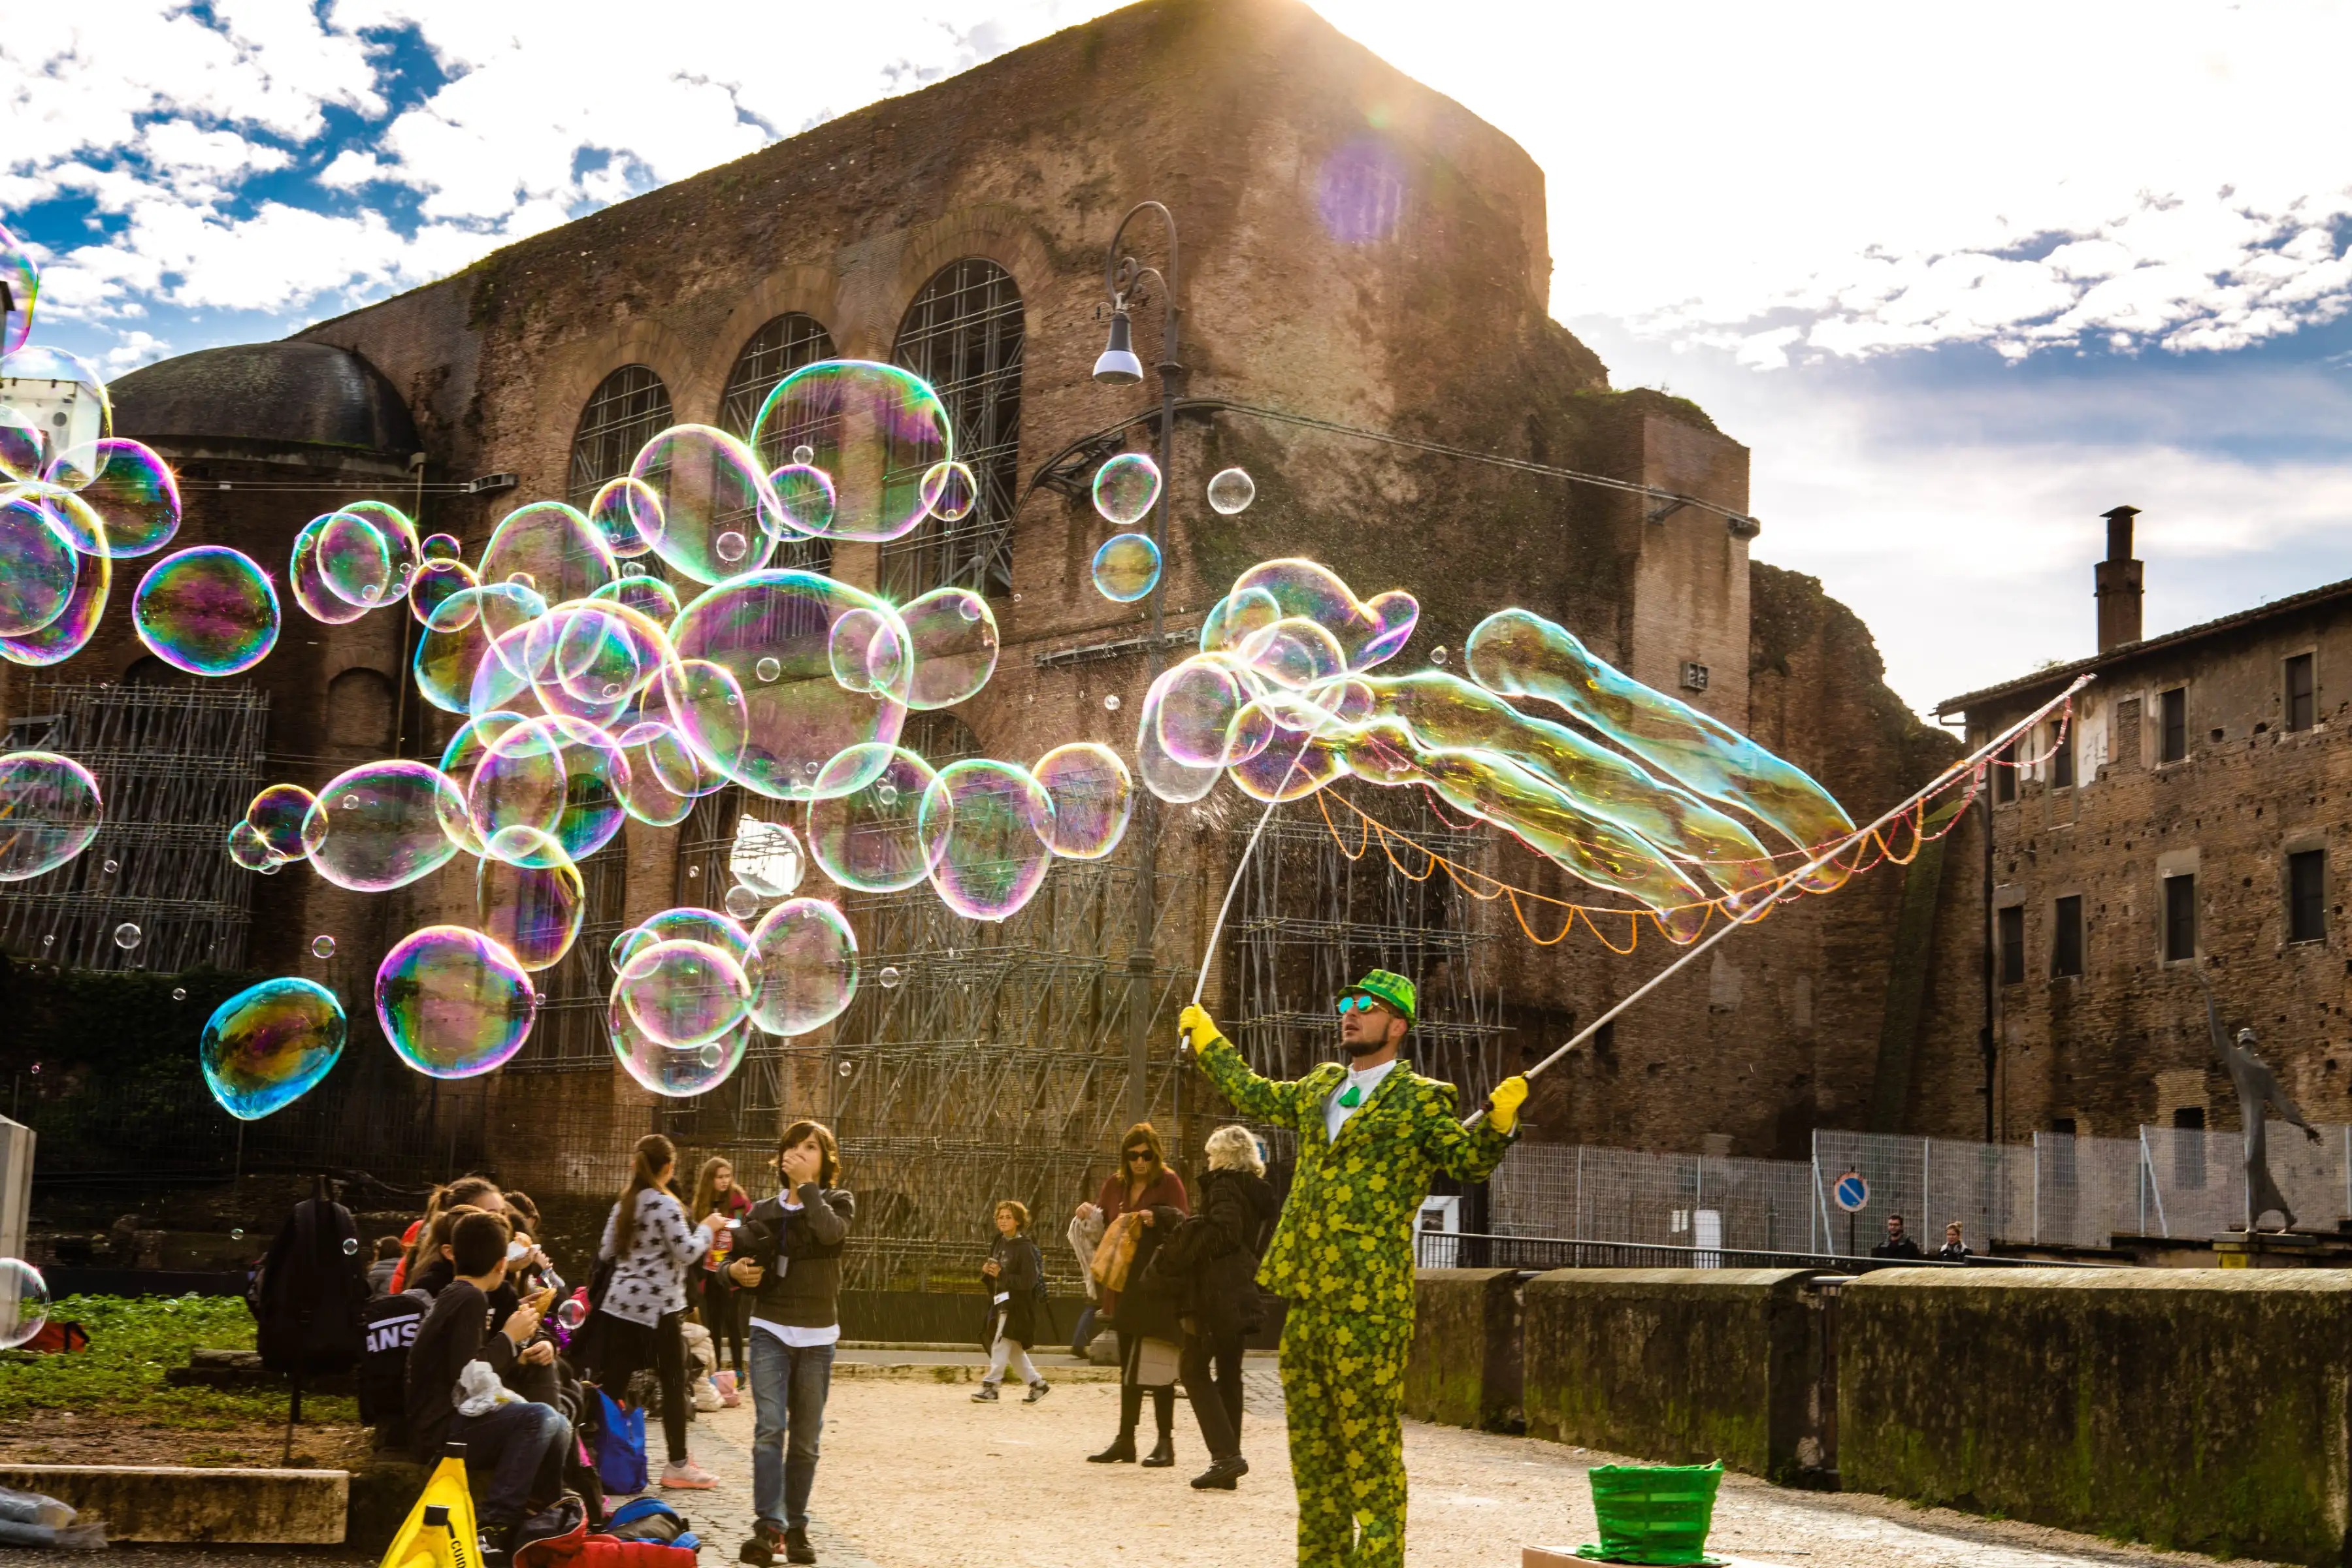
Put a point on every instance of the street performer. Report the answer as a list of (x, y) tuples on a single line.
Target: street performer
[(1370, 1134)]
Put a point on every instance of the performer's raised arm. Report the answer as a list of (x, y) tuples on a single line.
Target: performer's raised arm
[(1248, 1093)]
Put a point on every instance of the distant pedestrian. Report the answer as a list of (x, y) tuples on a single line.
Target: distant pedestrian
[(1220, 1253), (1147, 1189), (724, 1308), (1954, 1250), (1897, 1244), (1085, 1235), (1015, 1268)]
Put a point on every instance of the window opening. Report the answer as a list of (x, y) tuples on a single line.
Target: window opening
[(963, 334)]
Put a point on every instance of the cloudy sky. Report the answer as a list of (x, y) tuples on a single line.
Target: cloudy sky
[(1962, 277)]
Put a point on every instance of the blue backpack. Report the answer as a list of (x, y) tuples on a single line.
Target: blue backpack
[(651, 1520), (620, 1446)]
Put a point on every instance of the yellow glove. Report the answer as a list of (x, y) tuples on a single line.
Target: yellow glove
[(1503, 1105), (1197, 1026)]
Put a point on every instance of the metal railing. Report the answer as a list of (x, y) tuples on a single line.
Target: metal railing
[(1462, 1249)]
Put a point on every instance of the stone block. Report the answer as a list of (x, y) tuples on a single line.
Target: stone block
[(2199, 1410), (1681, 1367), (188, 1503), (1465, 1370)]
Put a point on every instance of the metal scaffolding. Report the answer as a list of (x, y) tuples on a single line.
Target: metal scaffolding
[(177, 767)]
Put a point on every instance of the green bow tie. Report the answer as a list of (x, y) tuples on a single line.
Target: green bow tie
[(1353, 1098)]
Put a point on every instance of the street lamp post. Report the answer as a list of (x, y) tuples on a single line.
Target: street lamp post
[(1118, 366)]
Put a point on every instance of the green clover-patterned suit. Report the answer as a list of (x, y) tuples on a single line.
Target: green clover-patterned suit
[(1343, 1255)]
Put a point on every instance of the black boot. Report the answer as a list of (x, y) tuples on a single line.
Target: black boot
[(1221, 1474), (1120, 1452), (1164, 1455), (796, 1545)]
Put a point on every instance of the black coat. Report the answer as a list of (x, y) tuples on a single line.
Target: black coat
[(1209, 1265), (1154, 1299), (1018, 1268)]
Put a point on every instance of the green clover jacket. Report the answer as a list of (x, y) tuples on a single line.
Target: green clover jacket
[(1345, 1239)]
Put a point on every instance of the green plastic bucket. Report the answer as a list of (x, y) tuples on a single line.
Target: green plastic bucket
[(1656, 1514)]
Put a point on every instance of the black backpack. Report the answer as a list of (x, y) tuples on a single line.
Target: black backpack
[(389, 1324), (309, 1291)]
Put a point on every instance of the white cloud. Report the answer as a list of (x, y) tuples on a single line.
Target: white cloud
[(135, 348)]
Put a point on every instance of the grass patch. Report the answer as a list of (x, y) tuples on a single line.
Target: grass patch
[(132, 1341)]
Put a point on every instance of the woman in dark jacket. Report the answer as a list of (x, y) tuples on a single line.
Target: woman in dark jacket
[(1145, 1186), (1217, 1256)]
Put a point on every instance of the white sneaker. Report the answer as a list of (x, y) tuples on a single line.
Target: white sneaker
[(687, 1475)]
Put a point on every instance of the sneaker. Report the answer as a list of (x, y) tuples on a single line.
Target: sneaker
[(496, 1544), (1038, 1391), (729, 1395), (688, 1475), (761, 1550), (796, 1545), (984, 1394)]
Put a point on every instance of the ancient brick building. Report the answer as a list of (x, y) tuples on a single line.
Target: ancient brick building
[(1364, 283), (2189, 823)]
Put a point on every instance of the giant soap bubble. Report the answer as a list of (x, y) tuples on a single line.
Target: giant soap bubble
[(804, 966), (388, 824), (453, 1003), (50, 811), (208, 611), (269, 1045), (682, 994), (876, 431), (1125, 489), (990, 826), (871, 839), (1092, 794), (952, 637), (38, 566), (532, 909)]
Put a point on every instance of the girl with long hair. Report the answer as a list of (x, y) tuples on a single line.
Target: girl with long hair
[(652, 1249), (717, 1192)]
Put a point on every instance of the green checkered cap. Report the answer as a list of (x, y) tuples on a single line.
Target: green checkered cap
[(1386, 985)]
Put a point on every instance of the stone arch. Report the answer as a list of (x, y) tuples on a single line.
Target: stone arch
[(625, 409), (567, 376), (811, 291)]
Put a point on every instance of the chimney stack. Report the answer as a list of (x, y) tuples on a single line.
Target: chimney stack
[(2117, 583)]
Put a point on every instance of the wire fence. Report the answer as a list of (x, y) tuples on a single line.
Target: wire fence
[(2056, 1190)]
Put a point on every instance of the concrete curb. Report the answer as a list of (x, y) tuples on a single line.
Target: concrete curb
[(194, 1503), (962, 1371)]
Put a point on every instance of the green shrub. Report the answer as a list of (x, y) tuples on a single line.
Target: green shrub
[(132, 1341)]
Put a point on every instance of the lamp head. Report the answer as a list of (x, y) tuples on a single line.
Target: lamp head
[(1118, 366)]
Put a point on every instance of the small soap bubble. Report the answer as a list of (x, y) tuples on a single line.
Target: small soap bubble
[(969, 609), (128, 936), (1126, 567), (48, 940), (23, 1302), (730, 546), (694, 870), (767, 669), (522, 579), (350, 1247), (805, 454), (237, 1235), (740, 903), (112, 867), (571, 1314), (1125, 489), (179, 992), (887, 793), (1232, 491), (322, 947), (1111, 703), (889, 977), (1438, 655), (351, 803), (846, 1069)]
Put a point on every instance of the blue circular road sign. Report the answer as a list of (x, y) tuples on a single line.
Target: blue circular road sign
[(1850, 1192)]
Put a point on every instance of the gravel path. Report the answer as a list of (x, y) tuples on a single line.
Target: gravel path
[(915, 1475)]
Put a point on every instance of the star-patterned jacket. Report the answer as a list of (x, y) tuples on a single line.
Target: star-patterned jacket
[(1346, 1237)]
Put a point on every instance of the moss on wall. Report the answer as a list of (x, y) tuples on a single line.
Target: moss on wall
[(1465, 1370)]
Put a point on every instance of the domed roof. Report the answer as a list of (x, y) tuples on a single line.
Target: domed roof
[(284, 392)]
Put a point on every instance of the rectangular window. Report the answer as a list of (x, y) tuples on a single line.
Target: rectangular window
[(2062, 757), (2012, 944), (2302, 695), (2306, 896), (2174, 744), (2067, 936), (2004, 774), (2179, 918)]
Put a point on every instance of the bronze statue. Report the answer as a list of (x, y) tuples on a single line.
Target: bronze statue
[(2257, 1090)]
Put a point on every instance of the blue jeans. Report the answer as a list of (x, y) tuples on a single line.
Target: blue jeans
[(1084, 1334), (512, 1452), (789, 1384)]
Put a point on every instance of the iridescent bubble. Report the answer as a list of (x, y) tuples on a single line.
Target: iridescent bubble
[(76, 391), (1126, 567), (767, 669), (570, 1313), (870, 837), (804, 966), (399, 538), (388, 823), (39, 566), (671, 1070), (650, 597), (126, 490), (1437, 656), (563, 555), (664, 777), (322, 947), (1111, 703), (350, 1247), (707, 484), (588, 658), (773, 736), (71, 628), (1368, 631), (50, 810), (250, 850), (269, 1045), (207, 611), (128, 936), (289, 820), (875, 429), (682, 993), (335, 555), (889, 977), (1093, 797), (556, 776), (534, 911), (848, 1070), (765, 857), (806, 501), (23, 449), (24, 1303), (453, 1003), (990, 824), (685, 923), (441, 577), (628, 514), (458, 637), (741, 902), (1172, 778), (443, 547), (1230, 491), (951, 634), (20, 286), (952, 491), (1125, 489)]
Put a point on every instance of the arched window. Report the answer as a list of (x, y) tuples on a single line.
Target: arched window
[(359, 714), (775, 351), (962, 335), (629, 408)]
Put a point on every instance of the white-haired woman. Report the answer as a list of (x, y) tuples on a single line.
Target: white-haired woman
[(1237, 1211)]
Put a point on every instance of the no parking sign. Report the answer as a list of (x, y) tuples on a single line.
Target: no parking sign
[(1851, 1193)]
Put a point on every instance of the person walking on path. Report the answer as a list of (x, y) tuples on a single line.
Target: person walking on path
[(1220, 1255), (1370, 1134), (1898, 1242), (790, 1258), (1015, 1268), (1146, 1188), (652, 1249)]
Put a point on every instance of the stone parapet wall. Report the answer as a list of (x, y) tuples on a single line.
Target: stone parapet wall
[(1467, 1360)]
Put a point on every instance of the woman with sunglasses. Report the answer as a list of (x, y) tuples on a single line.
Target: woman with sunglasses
[(1145, 1187)]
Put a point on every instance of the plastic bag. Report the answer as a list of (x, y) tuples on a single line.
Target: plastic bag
[(479, 1390), (36, 1520)]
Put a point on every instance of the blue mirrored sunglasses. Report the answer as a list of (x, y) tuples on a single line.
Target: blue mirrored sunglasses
[(1356, 1004)]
